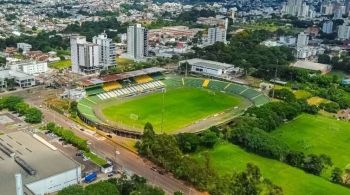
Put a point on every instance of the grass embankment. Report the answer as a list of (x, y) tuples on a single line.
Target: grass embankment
[(319, 135), (226, 157), (62, 64)]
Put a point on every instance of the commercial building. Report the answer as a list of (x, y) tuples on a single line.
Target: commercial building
[(84, 55), (212, 68), (39, 168), (327, 27), (18, 78), (29, 67), (107, 50), (24, 46), (343, 32), (216, 35), (137, 38), (303, 39)]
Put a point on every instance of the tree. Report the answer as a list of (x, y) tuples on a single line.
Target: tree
[(208, 139), (336, 176), (102, 187), (2, 61), (188, 142), (74, 189), (324, 58), (21, 108), (33, 115)]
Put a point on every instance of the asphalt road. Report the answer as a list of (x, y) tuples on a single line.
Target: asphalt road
[(127, 159)]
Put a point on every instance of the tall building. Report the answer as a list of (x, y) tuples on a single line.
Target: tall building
[(294, 7), (74, 41), (343, 32), (327, 27), (137, 38), (347, 7), (303, 39), (107, 50), (216, 34), (84, 55)]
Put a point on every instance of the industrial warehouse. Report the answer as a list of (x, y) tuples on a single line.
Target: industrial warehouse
[(30, 165)]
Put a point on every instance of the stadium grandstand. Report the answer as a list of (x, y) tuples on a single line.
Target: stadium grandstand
[(108, 83)]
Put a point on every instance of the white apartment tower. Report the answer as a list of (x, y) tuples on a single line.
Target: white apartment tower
[(107, 50), (216, 34), (303, 40), (343, 32), (137, 38), (84, 55), (327, 27), (294, 7)]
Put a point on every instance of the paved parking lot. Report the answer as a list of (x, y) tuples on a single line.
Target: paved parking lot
[(71, 152)]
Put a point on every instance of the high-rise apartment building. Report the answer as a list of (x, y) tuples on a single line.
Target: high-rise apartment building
[(343, 32), (327, 27), (303, 39), (216, 34), (84, 55), (107, 50), (137, 38)]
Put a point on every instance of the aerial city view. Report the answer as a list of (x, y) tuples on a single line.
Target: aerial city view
[(175, 97)]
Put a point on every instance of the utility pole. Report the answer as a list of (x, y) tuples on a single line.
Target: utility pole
[(162, 123)]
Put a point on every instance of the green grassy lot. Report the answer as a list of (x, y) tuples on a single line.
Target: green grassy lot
[(319, 135), (182, 107), (95, 159), (316, 100), (226, 158), (302, 94), (62, 64)]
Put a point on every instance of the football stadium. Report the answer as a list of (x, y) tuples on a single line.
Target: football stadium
[(124, 103)]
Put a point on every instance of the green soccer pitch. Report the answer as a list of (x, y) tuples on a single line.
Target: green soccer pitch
[(174, 108)]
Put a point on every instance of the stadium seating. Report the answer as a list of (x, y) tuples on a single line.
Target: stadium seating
[(250, 93), (111, 86), (143, 79), (131, 90), (85, 108), (157, 76), (260, 100), (193, 82), (217, 85), (205, 83), (94, 91), (173, 82), (236, 89)]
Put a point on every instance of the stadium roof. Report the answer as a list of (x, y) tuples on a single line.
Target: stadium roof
[(45, 161), (208, 63), (121, 76)]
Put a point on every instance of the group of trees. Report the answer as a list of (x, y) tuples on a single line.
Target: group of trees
[(110, 25), (44, 41), (116, 186), (17, 104), (168, 151), (251, 132), (68, 136)]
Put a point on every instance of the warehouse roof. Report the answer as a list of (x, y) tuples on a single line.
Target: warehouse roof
[(208, 63), (45, 161)]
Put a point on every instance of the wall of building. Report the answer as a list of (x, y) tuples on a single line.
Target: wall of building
[(56, 182)]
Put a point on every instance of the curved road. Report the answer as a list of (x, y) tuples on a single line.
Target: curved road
[(127, 159)]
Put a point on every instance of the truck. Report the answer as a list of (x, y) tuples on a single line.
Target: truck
[(90, 177)]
